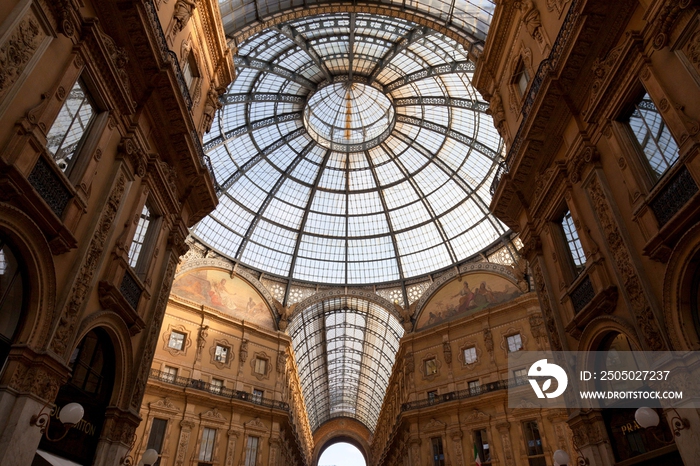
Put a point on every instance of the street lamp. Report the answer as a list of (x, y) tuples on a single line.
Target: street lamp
[(70, 415), (561, 458), (647, 417)]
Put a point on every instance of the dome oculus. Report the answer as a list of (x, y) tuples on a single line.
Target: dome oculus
[(349, 116)]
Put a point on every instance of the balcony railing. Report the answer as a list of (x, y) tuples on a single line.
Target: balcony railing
[(546, 66), (464, 394), (217, 390), (673, 196)]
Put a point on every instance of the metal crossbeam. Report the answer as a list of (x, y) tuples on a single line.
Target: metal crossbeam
[(292, 34), (398, 47), (262, 97), (244, 129), (269, 67), (447, 68), (469, 104)]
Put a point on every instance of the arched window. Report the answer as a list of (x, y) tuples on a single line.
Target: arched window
[(12, 291), (90, 385)]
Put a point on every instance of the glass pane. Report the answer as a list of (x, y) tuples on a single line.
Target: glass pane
[(207, 446), (251, 453), (653, 135), (70, 126), (139, 236), (177, 340), (573, 241)]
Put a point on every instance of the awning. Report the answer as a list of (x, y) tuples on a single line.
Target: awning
[(54, 460)]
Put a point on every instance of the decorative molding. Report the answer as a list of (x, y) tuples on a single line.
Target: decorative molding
[(434, 425), (423, 366), (268, 365), (631, 283), (82, 284), (166, 338), (229, 357), (164, 404), (546, 307)]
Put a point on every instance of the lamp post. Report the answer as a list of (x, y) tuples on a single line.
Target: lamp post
[(70, 415), (647, 417), (561, 458)]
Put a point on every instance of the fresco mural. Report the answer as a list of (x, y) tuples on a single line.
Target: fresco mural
[(475, 292), (233, 296)]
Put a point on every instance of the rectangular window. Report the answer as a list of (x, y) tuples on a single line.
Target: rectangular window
[(70, 127), (515, 343), (155, 439), (190, 70), (520, 376), (573, 241), (146, 229), (533, 444), (169, 373), (653, 136), (521, 79), (469, 355), (177, 340), (251, 452), (206, 449), (260, 366), (438, 453), (474, 387), (431, 366), (216, 385), (257, 395), (221, 354), (432, 395), (482, 446)]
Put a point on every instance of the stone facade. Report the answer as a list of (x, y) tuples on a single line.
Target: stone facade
[(577, 153), (97, 121)]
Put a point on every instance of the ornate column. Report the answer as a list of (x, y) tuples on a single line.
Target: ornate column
[(231, 446), (591, 438), (457, 444), (504, 430), (184, 441)]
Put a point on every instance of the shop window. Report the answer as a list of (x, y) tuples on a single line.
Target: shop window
[(221, 354), (260, 366), (483, 450), (156, 437), (251, 451), (12, 290), (474, 387), (438, 453), (515, 343), (258, 395), (431, 367), (573, 241), (533, 444), (71, 126), (169, 374), (206, 448), (177, 341), (469, 355), (651, 132), (143, 241)]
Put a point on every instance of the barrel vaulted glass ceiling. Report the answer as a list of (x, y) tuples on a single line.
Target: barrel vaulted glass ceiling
[(345, 349), (353, 149)]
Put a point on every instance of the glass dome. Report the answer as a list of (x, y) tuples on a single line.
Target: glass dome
[(352, 149)]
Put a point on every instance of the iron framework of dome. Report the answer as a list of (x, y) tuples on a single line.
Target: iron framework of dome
[(383, 178)]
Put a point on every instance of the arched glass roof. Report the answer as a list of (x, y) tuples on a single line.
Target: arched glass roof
[(345, 348), (352, 149)]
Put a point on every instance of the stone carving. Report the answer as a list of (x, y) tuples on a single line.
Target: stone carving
[(119, 58), (263, 356), (165, 403), (81, 286), (406, 315), (497, 113), (488, 341), (182, 14), (435, 424), (18, 50), (691, 49), (533, 24), (231, 447), (152, 338), (281, 361), (447, 352), (550, 323), (35, 380), (211, 105), (520, 272), (457, 443), (504, 430), (213, 414), (186, 428), (255, 424), (557, 5), (632, 284), (601, 69), (243, 353), (665, 20), (201, 341), (476, 416)]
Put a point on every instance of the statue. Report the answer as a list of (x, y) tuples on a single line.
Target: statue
[(210, 107), (182, 15)]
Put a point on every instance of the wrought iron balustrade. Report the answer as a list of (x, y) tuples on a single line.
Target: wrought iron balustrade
[(131, 289), (673, 196), (186, 382), (50, 187), (582, 294), (464, 394)]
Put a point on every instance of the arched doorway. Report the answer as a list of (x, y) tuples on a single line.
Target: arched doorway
[(90, 384), (342, 454), (12, 292)]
